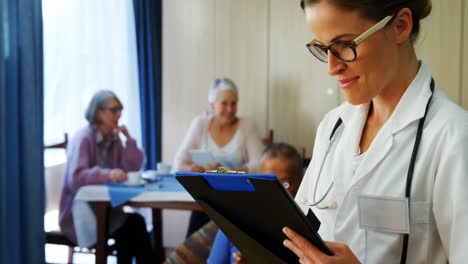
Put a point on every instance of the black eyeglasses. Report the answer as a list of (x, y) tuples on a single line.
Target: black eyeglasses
[(114, 110), (344, 50)]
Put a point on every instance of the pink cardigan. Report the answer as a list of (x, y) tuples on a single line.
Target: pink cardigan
[(252, 147)]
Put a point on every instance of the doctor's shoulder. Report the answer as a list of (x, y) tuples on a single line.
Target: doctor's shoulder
[(331, 117), (445, 119)]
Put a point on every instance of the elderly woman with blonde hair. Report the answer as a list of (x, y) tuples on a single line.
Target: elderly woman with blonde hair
[(232, 140)]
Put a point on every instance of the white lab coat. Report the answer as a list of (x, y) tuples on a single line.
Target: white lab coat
[(438, 207)]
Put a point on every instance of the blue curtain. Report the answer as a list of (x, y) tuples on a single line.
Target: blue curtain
[(21, 133), (148, 24)]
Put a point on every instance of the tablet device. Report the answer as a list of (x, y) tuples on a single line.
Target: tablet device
[(252, 209), (202, 157)]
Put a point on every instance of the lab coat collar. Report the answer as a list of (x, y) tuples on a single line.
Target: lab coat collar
[(354, 118), (348, 112), (412, 104)]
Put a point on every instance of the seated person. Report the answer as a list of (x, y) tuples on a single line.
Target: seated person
[(96, 155), (281, 159), (196, 248), (231, 139)]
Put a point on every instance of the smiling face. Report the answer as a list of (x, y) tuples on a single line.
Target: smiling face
[(377, 57), (225, 106)]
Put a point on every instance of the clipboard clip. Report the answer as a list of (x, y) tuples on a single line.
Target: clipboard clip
[(225, 170)]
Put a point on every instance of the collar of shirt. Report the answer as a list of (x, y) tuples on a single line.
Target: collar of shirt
[(100, 137)]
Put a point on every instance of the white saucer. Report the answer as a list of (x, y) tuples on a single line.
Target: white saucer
[(152, 175)]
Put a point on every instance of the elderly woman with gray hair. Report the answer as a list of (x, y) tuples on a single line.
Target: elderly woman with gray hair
[(96, 155), (232, 140)]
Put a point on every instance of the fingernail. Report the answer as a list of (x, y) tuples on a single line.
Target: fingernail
[(285, 230), (286, 242)]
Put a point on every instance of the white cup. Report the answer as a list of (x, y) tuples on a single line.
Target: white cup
[(163, 168), (133, 177)]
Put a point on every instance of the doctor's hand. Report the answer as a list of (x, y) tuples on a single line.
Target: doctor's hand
[(308, 253), (238, 258)]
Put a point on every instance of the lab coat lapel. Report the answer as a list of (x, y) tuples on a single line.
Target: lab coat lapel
[(353, 120), (375, 154)]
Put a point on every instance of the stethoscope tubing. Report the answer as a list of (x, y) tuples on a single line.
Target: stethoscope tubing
[(316, 203)]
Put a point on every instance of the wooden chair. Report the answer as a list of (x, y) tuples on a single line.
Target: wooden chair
[(57, 237), (268, 139), (305, 160), (61, 145)]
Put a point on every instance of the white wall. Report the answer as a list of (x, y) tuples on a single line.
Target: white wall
[(464, 47)]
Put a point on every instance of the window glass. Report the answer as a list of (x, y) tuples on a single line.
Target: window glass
[(88, 45)]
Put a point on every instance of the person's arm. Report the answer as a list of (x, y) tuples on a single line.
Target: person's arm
[(308, 253), (192, 139), (132, 157), (450, 198), (80, 166), (220, 251), (253, 147)]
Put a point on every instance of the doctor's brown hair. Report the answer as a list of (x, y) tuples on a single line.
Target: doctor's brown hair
[(378, 9)]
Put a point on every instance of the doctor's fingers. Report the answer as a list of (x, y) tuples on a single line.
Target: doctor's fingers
[(304, 250), (343, 253), (238, 258)]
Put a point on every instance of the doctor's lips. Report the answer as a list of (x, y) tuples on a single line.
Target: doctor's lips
[(346, 83)]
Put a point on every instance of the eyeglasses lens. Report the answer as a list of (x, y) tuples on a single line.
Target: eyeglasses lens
[(318, 52), (343, 51), (113, 110)]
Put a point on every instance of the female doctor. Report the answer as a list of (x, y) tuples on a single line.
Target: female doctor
[(389, 172)]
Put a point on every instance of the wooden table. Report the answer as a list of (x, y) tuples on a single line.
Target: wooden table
[(102, 209), (98, 195)]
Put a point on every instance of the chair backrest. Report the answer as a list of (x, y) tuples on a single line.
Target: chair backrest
[(53, 179), (62, 145), (268, 139)]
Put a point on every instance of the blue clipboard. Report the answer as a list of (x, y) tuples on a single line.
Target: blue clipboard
[(251, 209)]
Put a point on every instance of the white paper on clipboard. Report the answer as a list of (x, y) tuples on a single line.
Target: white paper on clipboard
[(202, 157)]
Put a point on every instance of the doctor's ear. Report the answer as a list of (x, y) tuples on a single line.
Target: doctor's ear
[(402, 25)]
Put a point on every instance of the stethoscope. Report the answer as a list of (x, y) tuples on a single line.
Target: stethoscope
[(333, 205), (314, 202), (409, 178)]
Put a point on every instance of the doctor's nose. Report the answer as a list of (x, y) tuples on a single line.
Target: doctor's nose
[(335, 65)]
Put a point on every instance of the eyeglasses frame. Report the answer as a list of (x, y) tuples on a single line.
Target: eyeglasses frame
[(352, 44), (113, 110)]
